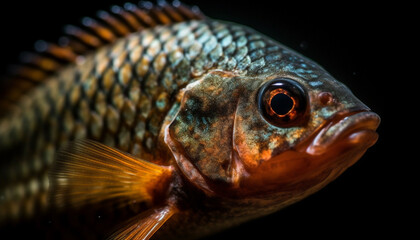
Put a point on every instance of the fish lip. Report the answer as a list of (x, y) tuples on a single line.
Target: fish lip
[(348, 128)]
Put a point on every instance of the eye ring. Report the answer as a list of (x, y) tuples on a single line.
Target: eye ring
[(280, 95), (283, 102)]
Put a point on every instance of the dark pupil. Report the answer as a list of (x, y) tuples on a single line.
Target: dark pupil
[(281, 104)]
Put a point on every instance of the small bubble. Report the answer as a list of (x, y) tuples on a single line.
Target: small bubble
[(303, 45), (99, 216)]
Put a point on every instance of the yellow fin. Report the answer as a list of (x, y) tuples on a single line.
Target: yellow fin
[(87, 172), (144, 225)]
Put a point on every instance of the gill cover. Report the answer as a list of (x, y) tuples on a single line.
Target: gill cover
[(200, 136)]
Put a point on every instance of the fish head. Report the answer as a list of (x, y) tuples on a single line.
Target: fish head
[(305, 135), (283, 133)]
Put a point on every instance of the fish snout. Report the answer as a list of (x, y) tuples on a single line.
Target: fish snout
[(350, 128)]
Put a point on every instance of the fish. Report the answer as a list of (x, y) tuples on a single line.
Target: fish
[(155, 120)]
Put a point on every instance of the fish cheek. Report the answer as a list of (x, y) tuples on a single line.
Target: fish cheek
[(268, 156), (255, 140), (202, 130)]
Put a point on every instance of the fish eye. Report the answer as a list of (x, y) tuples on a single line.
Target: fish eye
[(283, 102)]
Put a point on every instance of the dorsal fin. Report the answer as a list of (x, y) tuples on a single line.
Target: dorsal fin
[(95, 32)]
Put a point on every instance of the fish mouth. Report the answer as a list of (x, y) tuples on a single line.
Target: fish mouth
[(348, 129), (336, 145)]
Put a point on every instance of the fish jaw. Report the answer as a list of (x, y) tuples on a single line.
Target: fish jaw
[(335, 146), (353, 128)]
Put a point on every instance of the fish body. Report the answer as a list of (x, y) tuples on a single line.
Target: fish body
[(220, 123)]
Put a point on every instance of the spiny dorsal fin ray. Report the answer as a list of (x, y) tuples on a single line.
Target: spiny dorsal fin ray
[(88, 172), (107, 26), (93, 33)]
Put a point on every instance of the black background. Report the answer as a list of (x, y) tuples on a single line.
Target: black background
[(353, 41)]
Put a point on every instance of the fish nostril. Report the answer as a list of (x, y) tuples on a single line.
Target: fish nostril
[(325, 98)]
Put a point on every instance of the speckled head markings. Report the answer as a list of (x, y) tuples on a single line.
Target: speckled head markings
[(182, 121)]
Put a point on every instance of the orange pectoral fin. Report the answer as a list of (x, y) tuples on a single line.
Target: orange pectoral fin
[(144, 225), (87, 172)]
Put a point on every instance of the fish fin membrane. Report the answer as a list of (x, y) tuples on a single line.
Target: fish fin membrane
[(144, 225), (87, 173), (94, 32)]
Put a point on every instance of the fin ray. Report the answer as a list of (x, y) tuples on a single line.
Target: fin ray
[(144, 225), (89, 172)]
